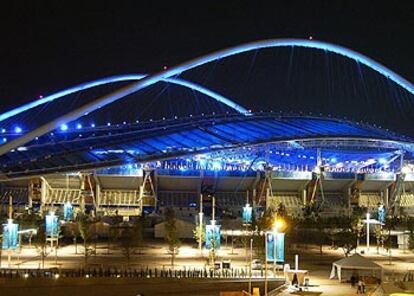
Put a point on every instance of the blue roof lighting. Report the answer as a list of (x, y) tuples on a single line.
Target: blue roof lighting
[(18, 129), (64, 127), (78, 126)]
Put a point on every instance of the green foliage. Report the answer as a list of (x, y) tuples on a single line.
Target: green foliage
[(199, 233), (411, 242), (346, 240), (84, 223), (40, 239), (130, 238), (171, 234)]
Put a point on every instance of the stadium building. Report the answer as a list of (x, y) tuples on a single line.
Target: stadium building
[(54, 151)]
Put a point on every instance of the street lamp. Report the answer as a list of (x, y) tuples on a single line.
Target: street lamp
[(274, 245)]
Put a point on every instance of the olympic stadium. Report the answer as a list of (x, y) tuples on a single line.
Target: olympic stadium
[(87, 146)]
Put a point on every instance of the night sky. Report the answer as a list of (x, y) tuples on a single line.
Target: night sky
[(49, 45)]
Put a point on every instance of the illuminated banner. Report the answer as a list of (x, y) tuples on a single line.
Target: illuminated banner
[(68, 211), (381, 176), (297, 175), (275, 248), (247, 214), (10, 235), (52, 225), (213, 236), (381, 214)]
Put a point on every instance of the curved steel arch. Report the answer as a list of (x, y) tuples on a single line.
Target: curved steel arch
[(119, 78), (176, 70)]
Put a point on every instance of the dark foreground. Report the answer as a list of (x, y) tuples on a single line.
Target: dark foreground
[(124, 287)]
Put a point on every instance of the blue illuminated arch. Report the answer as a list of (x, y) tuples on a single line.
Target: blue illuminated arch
[(176, 70), (119, 78)]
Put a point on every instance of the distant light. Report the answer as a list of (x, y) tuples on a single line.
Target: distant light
[(3, 130), (79, 126), (92, 124), (108, 124), (164, 67), (405, 170), (382, 160), (216, 166), (311, 37), (18, 130), (40, 97), (4, 140), (64, 127), (333, 160)]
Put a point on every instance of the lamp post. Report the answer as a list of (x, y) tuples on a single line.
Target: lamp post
[(251, 259), (368, 218), (200, 242), (278, 224)]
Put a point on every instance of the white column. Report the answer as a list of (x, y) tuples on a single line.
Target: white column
[(368, 219)]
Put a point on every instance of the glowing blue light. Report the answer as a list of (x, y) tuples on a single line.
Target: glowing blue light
[(3, 130), (108, 124), (216, 166), (64, 127), (382, 160), (4, 140), (119, 78), (333, 160), (18, 129), (92, 124), (79, 126)]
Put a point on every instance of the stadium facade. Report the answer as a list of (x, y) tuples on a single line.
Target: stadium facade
[(265, 159)]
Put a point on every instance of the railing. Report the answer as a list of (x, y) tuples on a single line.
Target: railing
[(130, 272)]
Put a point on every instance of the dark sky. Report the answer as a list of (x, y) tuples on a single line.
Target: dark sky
[(48, 45)]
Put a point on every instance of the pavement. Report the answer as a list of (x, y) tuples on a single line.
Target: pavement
[(155, 255)]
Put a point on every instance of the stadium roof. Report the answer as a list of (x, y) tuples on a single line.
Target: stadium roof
[(107, 146)]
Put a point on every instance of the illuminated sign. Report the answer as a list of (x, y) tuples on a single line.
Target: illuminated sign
[(68, 211), (10, 235), (247, 214), (275, 247), (213, 236), (52, 225)]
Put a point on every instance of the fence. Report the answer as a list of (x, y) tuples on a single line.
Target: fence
[(98, 272)]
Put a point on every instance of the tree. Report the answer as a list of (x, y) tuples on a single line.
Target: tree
[(411, 242), (346, 240), (40, 240), (380, 236), (29, 220), (357, 228), (199, 233), (84, 226), (171, 234), (131, 238)]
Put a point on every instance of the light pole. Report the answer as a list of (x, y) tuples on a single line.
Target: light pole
[(200, 225), (251, 259), (368, 218)]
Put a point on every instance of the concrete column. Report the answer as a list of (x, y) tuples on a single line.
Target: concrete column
[(43, 192), (386, 194), (98, 196)]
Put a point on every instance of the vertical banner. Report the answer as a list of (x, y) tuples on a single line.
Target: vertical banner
[(213, 236), (247, 214), (275, 247), (280, 248), (67, 211), (10, 233), (381, 214), (52, 225), (270, 247)]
